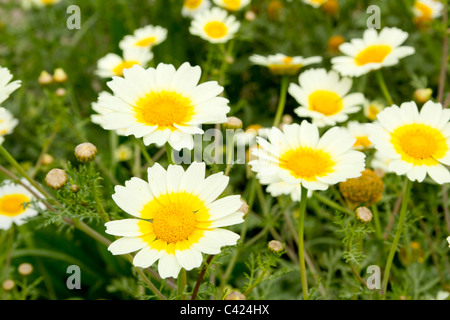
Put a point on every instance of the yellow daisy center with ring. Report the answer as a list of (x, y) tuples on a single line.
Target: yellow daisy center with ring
[(373, 54), (192, 4), (164, 109), (325, 102), (232, 4), (118, 70), (419, 144), (176, 216), (307, 163), (216, 29), (13, 204), (146, 42)]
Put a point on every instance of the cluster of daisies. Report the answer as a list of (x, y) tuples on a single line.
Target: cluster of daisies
[(178, 213), (15, 199)]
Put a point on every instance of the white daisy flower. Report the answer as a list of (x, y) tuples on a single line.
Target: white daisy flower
[(192, 7), (7, 123), (448, 240), (144, 38), (15, 204), (178, 217), (114, 65), (315, 3), (324, 97), (372, 108), (380, 161), (163, 104), (282, 64), (297, 155), (97, 118), (214, 25), (359, 131), (232, 5), (248, 136), (416, 142), (6, 86), (427, 10), (372, 52)]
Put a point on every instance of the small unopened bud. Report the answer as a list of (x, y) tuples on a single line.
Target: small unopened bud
[(45, 78), (235, 295), (47, 159), (229, 59), (59, 75), (74, 188), (60, 92), (275, 246), (334, 42), (123, 153), (250, 15), (287, 119), (56, 178), (85, 152), (331, 7), (422, 95), (8, 285), (232, 123), (364, 214), (25, 269), (244, 208)]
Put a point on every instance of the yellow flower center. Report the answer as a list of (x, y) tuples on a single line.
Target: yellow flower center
[(373, 54), (362, 142), (325, 102), (425, 10), (176, 216), (373, 111), (307, 163), (118, 70), (46, 2), (13, 204), (232, 4), (192, 4), (254, 127), (216, 29), (419, 144), (146, 42), (164, 109)]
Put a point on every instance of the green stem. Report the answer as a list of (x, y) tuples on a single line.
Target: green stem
[(301, 246), (181, 283), (282, 100), (383, 87), (144, 151), (394, 245), (331, 203), (169, 153), (22, 172), (376, 219)]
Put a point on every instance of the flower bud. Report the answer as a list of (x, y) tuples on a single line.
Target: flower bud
[(367, 188), (364, 214), (25, 269), (47, 159), (331, 7), (8, 285), (244, 208), (275, 246), (45, 78), (56, 178), (232, 123), (74, 188), (59, 75), (334, 42), (235, 295), (60, 92), (422, 95), (250, 15), (123, 153), (85, 152)]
